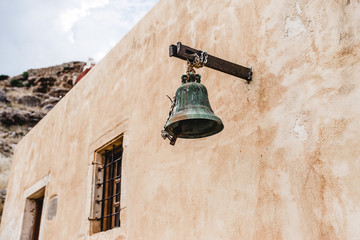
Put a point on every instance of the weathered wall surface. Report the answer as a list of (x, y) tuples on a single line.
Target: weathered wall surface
[(286, 165)]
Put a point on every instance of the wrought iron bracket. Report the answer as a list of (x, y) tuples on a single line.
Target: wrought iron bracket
[(187, 53)]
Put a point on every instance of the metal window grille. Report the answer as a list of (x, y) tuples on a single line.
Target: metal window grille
[(111, 188)]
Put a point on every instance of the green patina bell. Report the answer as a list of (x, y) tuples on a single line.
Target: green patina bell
[(192, 116)]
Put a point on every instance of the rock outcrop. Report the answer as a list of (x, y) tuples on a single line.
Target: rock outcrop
[(24, 100)]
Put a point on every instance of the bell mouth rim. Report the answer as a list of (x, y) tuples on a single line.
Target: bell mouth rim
[(218, 127)]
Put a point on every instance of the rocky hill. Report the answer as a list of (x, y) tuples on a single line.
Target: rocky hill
[(24, 100)]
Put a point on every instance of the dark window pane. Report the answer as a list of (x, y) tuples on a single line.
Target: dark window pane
[(118, 186), (117, 217)]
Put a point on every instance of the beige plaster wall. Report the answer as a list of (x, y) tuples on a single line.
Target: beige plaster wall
[(286, 165)]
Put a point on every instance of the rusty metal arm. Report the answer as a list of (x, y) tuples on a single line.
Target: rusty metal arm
[(187, 53)]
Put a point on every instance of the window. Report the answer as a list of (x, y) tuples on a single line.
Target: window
[(108, 186)]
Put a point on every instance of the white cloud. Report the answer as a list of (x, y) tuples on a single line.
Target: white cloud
[(70, 16), (71, 37), (41, 33)]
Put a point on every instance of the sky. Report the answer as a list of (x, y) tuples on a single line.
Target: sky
[(42, 33)]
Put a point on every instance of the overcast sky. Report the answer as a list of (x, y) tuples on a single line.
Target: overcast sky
[(41, 33)]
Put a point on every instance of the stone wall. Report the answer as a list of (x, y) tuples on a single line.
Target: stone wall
[(286, 165)]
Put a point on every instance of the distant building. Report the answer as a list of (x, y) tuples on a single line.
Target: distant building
[(89, 65), (286, 165)]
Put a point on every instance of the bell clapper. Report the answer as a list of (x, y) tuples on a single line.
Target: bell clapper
[(173, 140), (164, 133)]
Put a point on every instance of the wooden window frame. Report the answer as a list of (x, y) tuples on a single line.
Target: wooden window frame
[(107, 189)]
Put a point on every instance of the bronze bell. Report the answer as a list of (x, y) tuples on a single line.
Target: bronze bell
[(191, 115)]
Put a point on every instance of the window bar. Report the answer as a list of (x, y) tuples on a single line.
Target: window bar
[(109, 180), (105, 199), (111, 186), (118, 191), (116, 160), (103, 195), (110, 215)]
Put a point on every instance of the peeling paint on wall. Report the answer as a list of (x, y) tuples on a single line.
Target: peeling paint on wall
[(293, 27), (300, 131)]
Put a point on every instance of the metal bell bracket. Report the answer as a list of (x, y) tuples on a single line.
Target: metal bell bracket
[(199, 58)]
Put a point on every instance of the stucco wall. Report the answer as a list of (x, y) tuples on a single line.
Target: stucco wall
[(286, 165)]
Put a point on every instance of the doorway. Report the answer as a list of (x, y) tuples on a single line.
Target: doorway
[(32, 216)]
